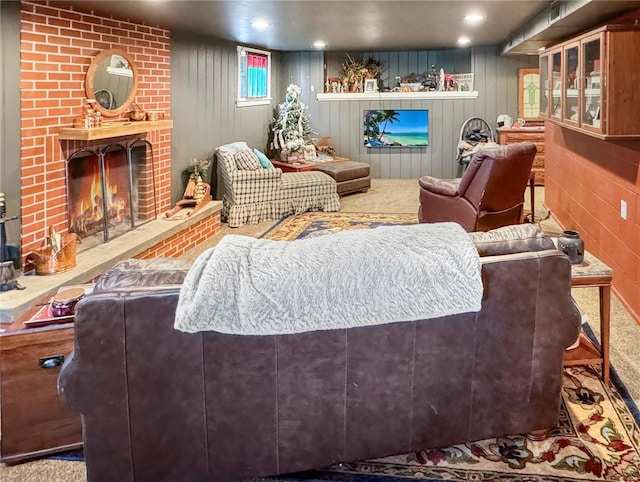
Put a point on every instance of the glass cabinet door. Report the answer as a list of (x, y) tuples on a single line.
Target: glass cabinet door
[(571, 71), (545, 85), (556, 84), (591, 57)]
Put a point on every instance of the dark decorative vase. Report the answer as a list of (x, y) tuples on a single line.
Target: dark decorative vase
[(571, 244)]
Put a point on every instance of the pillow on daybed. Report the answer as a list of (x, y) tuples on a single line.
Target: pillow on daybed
[(247, 160), (518, 238), (264, 160)]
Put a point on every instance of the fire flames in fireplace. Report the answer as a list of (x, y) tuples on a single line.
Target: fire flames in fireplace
[(101, 187), (88, 210), (109, 191)]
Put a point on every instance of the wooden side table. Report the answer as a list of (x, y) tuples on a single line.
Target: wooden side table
[(592, 273), (308, 166), (532, 197), (294, 167), (34, 421)]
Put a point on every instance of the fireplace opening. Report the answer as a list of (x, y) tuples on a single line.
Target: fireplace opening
[(110, 191)]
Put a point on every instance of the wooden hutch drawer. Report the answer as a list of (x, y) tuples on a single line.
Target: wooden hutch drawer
[(34, 421), (513, 137), (538, 161), (536, 136), (538, 177)]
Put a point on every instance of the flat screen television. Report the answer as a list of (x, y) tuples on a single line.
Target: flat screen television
[(396, 128)]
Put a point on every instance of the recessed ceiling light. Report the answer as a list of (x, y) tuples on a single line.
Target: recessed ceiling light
[(259, 23), (462, 41), (319, 44), (474, 18)]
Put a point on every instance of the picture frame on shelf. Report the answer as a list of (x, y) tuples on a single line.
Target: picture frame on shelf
[(370, 85), (464, 81)]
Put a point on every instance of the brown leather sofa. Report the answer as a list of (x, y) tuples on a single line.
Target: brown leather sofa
[(162, 405), (490, 193)]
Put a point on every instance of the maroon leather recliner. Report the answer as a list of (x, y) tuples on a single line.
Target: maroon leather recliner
[(490, 193)]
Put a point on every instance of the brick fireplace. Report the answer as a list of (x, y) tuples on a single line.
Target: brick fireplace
[(57, 48)]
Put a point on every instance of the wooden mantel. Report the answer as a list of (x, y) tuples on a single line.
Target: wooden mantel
[(113, 129)]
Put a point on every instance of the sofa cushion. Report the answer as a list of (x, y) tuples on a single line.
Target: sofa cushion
[(264, 160), (247, 160), (517, 238)]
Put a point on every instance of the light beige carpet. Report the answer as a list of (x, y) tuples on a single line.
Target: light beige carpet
[(393, 196)]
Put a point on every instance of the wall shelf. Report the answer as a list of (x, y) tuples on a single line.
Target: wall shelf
[(112, 129), (432, 95)]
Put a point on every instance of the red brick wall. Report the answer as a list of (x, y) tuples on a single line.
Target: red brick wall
[(178, 244), (57, 47), (585, 180)]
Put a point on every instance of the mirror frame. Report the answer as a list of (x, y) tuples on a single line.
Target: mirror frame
[(88, 83)]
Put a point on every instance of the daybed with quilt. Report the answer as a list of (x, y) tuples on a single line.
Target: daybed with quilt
[(252, 193)]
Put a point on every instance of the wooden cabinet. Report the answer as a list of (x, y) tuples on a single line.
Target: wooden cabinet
[(531, 134), (33, 420), (589, 83), (550, 83)]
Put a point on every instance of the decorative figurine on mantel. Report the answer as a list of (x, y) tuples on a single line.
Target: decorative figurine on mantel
[(90, 118), (292, 130)]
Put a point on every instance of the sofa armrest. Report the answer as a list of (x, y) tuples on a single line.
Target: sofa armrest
[(516, 238), (546, 277)]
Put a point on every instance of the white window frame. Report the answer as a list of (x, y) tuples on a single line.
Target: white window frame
[(245, 102)]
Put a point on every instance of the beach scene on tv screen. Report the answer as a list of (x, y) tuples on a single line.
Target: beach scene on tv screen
[(396, 128)]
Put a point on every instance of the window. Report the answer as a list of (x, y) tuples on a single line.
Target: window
[(254, 77)]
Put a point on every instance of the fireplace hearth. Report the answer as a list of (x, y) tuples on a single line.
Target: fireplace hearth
[(110, 191)]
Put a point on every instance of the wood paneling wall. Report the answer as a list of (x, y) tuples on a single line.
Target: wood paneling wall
[(205, 116), (495, 78), (10, 114), (203, 90)]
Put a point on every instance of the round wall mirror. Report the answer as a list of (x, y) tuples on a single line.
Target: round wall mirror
[(112, 81)]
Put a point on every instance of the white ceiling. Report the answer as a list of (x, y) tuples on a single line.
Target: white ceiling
[(359, 25)]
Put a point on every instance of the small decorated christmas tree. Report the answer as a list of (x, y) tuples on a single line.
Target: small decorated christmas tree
[(292, 130)]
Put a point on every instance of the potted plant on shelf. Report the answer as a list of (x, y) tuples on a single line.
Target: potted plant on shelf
[(355, 72)]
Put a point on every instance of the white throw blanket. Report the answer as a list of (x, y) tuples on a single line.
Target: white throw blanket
[(249, 286)]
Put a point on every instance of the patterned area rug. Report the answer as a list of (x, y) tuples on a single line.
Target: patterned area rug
[(306, 224), (598, 438)]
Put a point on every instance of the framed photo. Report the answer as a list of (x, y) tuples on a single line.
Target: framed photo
[(370, 85), (464, 81)]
